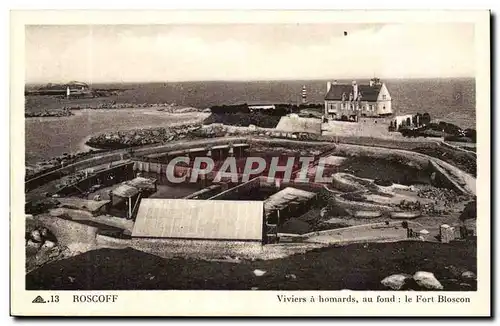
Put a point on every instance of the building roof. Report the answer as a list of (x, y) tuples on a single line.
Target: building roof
[(285, 197), (368, 93), (80, 203), (199, 219), (125, 191), (142, 183), (262, 106)]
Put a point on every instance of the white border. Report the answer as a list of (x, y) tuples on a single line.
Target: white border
[(242, 302)]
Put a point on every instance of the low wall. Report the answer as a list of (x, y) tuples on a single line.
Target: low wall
[(72, 168), (443, 179), (187, 144), (340, 183), (122, 172), (207, 192), (194, 249), (361, 206), (471, 153), (117, 155), (378, 149), (465, 180), (244, 187)]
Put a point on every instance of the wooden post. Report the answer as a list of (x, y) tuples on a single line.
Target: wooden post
[(129, 207)]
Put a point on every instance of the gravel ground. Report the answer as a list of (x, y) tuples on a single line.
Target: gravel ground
[(355, 267)]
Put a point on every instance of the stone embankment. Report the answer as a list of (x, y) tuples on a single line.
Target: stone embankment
[(140, 137), (65, 112), (164, 107)]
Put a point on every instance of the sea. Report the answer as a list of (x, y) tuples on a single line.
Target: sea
[(449, 99)]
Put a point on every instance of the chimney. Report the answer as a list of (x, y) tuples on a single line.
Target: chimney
[(328, 86), (334, 82), (375, 81), (354, 90)]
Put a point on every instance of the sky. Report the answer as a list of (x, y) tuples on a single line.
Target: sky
[(164, 53)]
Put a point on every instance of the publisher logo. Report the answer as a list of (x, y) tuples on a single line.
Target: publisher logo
[(38, 299)]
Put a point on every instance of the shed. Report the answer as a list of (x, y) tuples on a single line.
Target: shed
[(199, 219), (130, 195)]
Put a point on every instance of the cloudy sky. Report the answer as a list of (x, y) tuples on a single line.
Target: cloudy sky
[(128, 53)]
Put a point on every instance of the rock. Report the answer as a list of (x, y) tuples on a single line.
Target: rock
[(44, 232), (395, 281), (465, 285), (468, 276), (36, 236), (55, 252), (255, 288), (258, 272), (48, 244), (427, 280), (454, 271), (32, 244), (290, 276)]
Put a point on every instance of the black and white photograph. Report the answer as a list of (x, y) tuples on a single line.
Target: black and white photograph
[(281, 156)]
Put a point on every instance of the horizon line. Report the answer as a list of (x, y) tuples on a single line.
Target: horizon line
[(244, 80)]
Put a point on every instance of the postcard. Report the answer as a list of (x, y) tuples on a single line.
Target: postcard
[(250, 163)]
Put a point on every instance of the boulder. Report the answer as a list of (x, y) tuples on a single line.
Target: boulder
[(258, 272), (468, 276), (36, 236), (427, 280), (32, 244), (395, 281), (48, 244)]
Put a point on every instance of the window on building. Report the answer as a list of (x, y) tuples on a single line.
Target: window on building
[(384, 97)]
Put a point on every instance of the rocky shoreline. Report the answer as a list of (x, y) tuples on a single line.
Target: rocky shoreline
[(141, 137), (64, 112), (163, 107)]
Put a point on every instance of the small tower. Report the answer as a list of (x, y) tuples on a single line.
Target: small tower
[(67, 91)]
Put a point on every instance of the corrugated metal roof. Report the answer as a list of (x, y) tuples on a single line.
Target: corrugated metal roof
[(199, 219), (125, 191), (285, 197)]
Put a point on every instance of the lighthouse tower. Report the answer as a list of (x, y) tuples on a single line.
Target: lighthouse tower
[(304, 94)]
